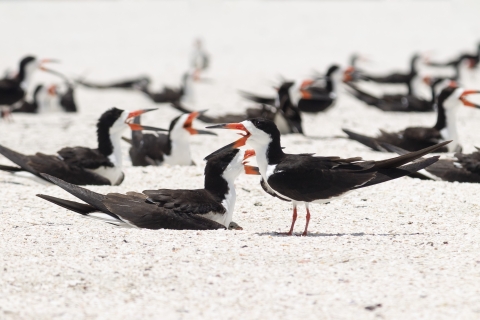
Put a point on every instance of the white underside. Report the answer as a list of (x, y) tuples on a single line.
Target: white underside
[(108, 219), (113, 174)]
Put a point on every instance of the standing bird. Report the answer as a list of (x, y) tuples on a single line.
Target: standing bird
[(12, 90), (303, 178), (172, 148), (199, 209), (416, 138), (80, 165)]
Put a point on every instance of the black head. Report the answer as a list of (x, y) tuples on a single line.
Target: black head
[(108, 118), (25, 61), (284, 87), (332, 69), (217, 164), (266, 126), (215, 180), (446, 93), (106, 121)]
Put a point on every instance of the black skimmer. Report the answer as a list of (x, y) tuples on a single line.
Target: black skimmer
[(199, 209), (285, 115), (471, 61), (316, 98), (12, 90), (397, 78), (67, 98), (172, 148), (462, 168), (80, 165), (309, 96), (398, 102), (303, 178), (416, 138), (134, 83)]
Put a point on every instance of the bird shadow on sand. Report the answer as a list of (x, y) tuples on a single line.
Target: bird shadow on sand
[(325, 137), (355, 234)]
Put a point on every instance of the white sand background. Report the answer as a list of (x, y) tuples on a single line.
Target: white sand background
[(411, 246)]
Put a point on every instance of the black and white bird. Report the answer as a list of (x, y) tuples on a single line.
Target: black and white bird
[(310, 95), (172, 148), (305, 179), (416, 138), (81, 165), (12, 90), (66, 99), (200, 209)]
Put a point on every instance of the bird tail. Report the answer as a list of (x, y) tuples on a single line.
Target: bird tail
[(94, 199), (406, 158), (19, 159), (82, 208), (384, 175), (419, 175), (365, 140), (10, 169)]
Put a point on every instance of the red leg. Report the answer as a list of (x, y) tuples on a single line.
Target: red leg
[(294, 218), (308, 220)]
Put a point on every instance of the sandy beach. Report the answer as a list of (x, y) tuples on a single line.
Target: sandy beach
[(406, 249)]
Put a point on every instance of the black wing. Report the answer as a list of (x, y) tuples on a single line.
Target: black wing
[(306, 178), (422, 134), (148, 149), (197, 201), (54, 166), (394, 78), (84, 158)]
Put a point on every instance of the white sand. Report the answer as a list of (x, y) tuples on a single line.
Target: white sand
[(411, 246)]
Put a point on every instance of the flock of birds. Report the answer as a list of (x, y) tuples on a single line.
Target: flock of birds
[(296, 178)]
